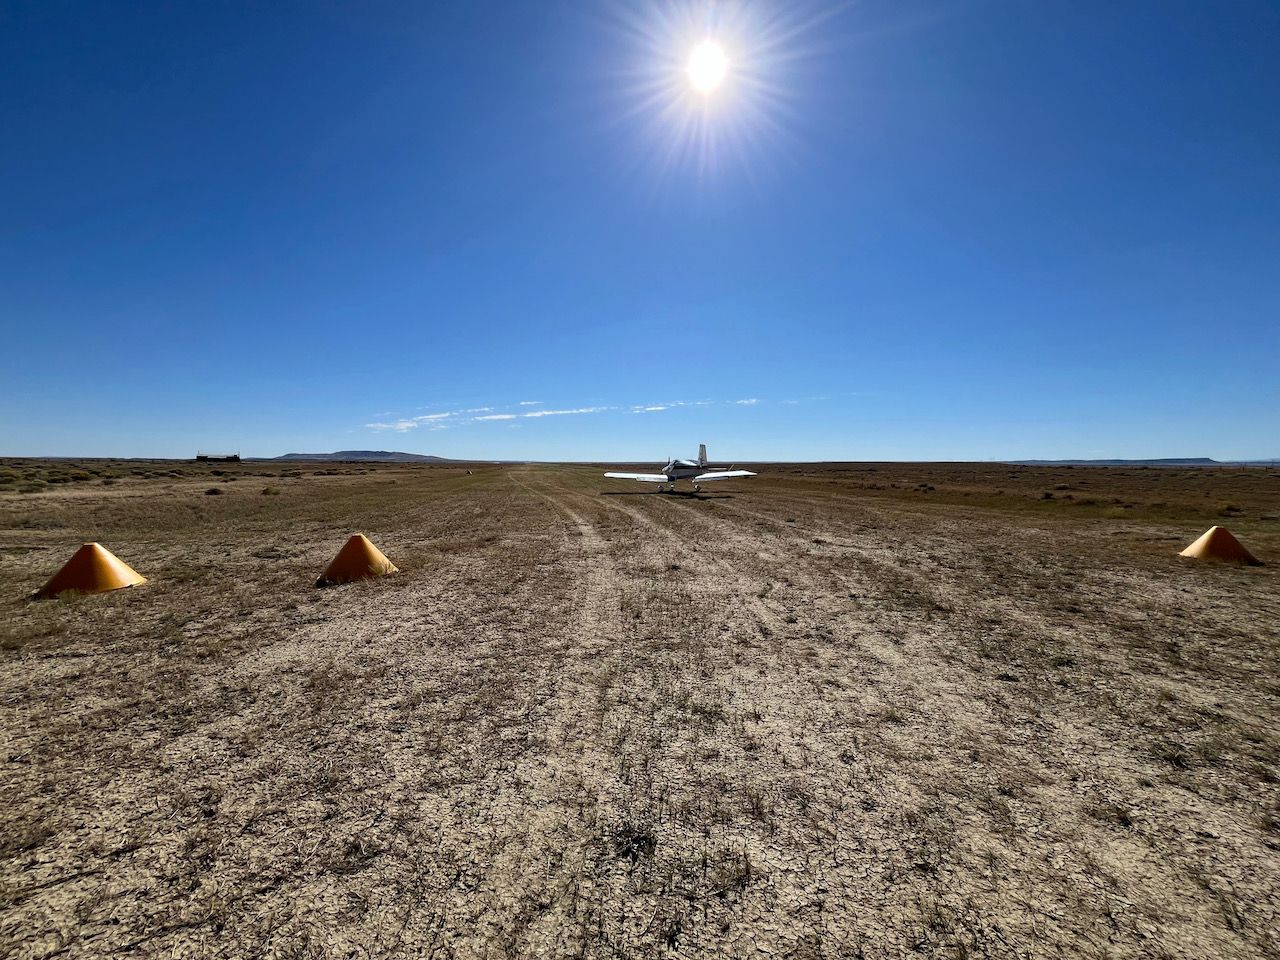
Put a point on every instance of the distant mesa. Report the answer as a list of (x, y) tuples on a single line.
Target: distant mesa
[(1164, 462), (1159, 462), (366, 456)]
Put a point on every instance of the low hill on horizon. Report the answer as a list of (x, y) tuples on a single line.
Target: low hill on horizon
[(1159, 462), (1156, 462), (366, 456)]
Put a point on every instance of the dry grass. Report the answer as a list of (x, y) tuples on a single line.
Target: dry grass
[(860, 710)]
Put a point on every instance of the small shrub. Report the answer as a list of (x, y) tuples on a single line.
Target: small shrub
[(733, 875), (213, 492), (1174, 754), (893, 715), (270, 492), (633, 841)]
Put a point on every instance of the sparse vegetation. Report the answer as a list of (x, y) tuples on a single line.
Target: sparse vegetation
[(855, 709)]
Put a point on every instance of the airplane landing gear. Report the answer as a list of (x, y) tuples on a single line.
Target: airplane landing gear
[(697, 488)]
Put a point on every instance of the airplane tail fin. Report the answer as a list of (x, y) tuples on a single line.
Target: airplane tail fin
[(702, 455)]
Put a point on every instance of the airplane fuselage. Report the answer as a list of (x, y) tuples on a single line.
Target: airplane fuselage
[(682, 470)]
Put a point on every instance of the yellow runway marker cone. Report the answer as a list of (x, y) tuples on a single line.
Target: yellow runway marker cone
[(93, 569), (1218, 543), (357, 559)]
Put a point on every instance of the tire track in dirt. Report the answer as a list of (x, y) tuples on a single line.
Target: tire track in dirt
[(712, 585), (573, 778), (704, 555), (805, 697)]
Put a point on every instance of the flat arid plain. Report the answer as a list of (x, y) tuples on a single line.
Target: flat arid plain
[(865, 710)]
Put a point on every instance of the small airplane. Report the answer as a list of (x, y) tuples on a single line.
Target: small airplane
[(695, 470)]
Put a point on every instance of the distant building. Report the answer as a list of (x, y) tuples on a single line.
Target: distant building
[(217, 458)]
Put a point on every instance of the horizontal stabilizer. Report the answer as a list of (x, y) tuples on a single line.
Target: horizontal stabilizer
[(642, 477), (722, 475)]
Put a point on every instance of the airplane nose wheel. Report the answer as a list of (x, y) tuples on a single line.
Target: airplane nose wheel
[(697, 488)]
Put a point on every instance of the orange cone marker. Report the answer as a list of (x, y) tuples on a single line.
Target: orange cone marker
[(1218, 543), (93, 569), (357, 559)]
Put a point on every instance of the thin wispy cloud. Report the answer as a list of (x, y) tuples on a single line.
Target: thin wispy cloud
[(664, 405), (430, 420), (792, 402), (564, 413), (440, 420), (675, 404), (398, 425)]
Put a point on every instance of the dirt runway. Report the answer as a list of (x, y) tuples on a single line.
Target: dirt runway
[(809, 715)]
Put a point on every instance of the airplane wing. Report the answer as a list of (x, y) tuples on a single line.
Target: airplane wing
[(722, 475), (642, 477)]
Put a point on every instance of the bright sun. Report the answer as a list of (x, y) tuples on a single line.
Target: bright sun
[(709, 77), (707, 66)]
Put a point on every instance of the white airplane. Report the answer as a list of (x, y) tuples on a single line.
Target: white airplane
[(695, 470)]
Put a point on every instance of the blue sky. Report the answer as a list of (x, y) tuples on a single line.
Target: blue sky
[(901, 230)]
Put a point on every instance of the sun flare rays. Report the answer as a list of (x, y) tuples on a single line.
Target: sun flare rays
[(707, 83)]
